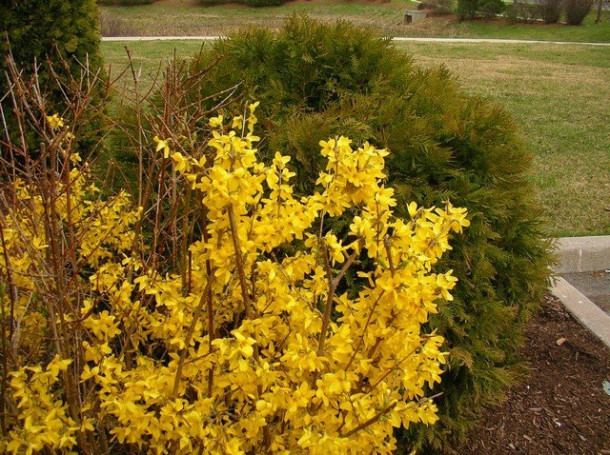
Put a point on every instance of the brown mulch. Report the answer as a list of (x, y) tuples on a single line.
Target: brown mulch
[(561, 408)]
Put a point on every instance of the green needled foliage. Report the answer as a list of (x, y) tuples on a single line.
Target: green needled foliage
[(467, 9), (315, 81), (470, 9), (45, 32)]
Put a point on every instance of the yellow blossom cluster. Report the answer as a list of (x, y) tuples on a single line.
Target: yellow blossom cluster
[(265, 349)]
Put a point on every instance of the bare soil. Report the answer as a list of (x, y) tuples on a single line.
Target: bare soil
[(561, 408)]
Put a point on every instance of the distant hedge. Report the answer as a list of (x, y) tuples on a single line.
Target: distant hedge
[(470, 9)]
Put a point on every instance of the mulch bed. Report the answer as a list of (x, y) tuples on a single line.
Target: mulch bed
[(561, 408)]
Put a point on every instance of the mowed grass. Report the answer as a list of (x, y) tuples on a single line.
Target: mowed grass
[(589, 31), (190, 17), (558, 94)]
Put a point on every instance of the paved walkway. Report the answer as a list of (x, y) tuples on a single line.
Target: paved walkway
[(397, 38), (495, 41), (583, 283)]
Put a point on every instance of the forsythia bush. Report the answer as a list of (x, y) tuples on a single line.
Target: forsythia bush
[(257, 346)]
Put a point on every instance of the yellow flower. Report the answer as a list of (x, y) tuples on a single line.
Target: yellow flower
[(244, 344), (216, 122), (55, 121), (163, 145)]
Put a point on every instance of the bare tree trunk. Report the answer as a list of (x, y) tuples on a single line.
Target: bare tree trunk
[(599, 11)]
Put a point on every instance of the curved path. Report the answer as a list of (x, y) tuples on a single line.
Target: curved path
[(397, 38)]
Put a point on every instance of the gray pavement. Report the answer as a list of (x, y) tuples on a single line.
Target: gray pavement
[(583, 254), (594, 285), (396, 38), (585, 311), (583, 282)]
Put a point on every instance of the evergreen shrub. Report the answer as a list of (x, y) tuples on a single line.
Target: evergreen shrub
[(467, 9), (551, 10), (577, 10), (491, 8), (41, 30), (316, 81), (470, 9)]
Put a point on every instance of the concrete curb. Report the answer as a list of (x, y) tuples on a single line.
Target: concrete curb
[(583, 254), (587, 313), (396, 38)]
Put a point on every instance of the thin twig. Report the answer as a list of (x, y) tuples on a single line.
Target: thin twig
[(239, 261)]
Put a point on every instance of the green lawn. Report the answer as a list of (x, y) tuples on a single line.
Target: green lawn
[(189, 17), (557, 93), (560, 97), (588, 31)]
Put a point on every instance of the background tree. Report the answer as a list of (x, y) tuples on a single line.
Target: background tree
[(577, 10)]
